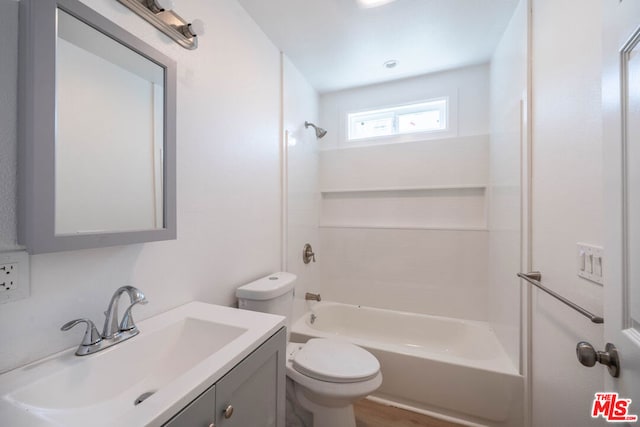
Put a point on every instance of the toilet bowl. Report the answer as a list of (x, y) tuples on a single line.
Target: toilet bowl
[(324, 376), (328, 376)]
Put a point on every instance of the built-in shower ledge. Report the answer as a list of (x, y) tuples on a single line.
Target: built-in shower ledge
[(405, 227), (399, 189)]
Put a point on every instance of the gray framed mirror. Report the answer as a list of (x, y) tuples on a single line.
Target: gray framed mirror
[(97, 132)]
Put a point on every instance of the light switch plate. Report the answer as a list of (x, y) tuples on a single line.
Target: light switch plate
[(590, 262)]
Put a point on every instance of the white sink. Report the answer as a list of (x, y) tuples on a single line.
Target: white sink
[(176, 356)]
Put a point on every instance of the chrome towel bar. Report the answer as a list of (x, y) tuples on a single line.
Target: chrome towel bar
[(534, 278)]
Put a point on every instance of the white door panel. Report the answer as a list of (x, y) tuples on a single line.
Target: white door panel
[(621, 106)]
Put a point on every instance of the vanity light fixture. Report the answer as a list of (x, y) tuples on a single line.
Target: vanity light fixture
[(157, 6), (160, 14)]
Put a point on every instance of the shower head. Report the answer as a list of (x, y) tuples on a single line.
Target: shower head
[(319, 131)]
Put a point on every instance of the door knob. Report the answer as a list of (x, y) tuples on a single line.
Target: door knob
[(588, 356)]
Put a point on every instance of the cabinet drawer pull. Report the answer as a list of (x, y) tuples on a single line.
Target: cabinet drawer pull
[(228, 412)]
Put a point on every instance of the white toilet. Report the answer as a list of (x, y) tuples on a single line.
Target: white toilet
[(326, 375)]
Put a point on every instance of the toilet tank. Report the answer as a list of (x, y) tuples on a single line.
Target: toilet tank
[(270, 294)]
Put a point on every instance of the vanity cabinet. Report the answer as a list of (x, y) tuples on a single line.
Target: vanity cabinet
[(251, 394)]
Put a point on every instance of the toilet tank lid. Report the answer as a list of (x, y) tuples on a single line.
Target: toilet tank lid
[(268, 287)]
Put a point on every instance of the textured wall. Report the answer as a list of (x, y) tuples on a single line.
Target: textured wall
[(8, 122), (566, 204), (228, 186)]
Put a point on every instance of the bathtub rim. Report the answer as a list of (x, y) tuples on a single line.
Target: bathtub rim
[(499, 365)]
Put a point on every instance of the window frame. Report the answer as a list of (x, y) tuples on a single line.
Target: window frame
[(451, 111)]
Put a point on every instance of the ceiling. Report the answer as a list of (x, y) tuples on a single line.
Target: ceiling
[(338, 45)]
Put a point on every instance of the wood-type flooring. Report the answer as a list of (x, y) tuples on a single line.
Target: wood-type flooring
[(372, 414)]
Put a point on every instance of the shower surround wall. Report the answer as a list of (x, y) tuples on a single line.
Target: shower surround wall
[(404, 226), (508, 92), (300, 104), (228, 186)]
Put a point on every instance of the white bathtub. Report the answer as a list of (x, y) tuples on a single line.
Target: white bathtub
[(451, 367)]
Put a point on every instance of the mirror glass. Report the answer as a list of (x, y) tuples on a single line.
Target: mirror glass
[(109, 138)]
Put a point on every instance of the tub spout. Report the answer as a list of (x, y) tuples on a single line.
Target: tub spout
[(312, 297)]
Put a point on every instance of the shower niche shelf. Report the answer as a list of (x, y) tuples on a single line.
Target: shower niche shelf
[(401, 189), (405, 227), (443, 207)]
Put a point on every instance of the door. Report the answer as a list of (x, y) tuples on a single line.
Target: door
[(621, 107), (253, 393), (199, 413)]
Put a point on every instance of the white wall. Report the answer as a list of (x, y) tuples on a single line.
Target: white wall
[(8, 121), (442, 162), (468, 85), (422, 271), (567, 204), (228, 186), (508, 88), (421, 244), (301, 104)]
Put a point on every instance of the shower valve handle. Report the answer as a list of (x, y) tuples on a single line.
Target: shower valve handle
[(307, 254)]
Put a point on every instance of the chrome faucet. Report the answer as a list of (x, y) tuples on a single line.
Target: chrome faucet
[(111, 325), (113, 332), (312, 297)]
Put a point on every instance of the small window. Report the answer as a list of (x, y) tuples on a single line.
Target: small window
[(427, 116)]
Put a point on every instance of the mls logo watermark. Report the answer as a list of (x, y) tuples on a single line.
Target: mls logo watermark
[(612, 408)]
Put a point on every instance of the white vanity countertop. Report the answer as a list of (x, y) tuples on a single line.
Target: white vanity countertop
[(169, 356)]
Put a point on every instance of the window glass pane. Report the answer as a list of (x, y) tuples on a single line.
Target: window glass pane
[(419, 122), (369, 128), (404, 119)]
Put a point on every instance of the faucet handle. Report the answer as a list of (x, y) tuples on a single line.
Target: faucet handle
[(127, 323), (91, 334)]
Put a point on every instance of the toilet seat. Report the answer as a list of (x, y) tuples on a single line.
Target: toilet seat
[(335, 392), (335, 361)]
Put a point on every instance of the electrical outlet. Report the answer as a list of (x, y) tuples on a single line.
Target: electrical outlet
[(14, 276), (8, 277)]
